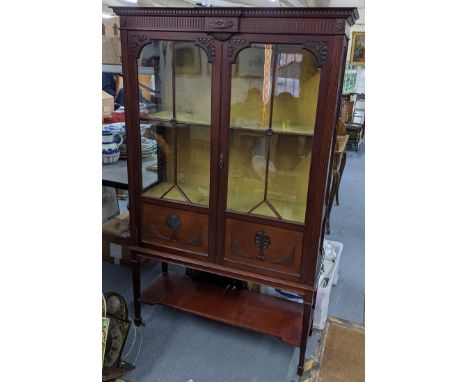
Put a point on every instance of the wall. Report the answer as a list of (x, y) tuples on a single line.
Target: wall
[(359, 70)]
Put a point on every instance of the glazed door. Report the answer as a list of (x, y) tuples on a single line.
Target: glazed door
[(177, 193), (268, 132)]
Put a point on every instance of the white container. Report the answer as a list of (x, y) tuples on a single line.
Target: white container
[(323, 293)]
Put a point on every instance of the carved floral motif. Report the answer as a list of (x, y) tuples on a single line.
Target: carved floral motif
[(234, 45), (138, 42), (207, 44), (319, 49), (340, 24), (220, 24)]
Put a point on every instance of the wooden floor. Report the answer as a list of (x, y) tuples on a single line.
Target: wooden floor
[(245, 309)]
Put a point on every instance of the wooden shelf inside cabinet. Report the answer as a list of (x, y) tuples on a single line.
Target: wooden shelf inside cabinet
[(243, 308)]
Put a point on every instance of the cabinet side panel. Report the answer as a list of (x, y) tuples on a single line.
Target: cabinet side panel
[(323, 139)]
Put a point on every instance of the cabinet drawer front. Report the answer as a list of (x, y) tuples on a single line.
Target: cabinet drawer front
[(262, 247), (174, 228)]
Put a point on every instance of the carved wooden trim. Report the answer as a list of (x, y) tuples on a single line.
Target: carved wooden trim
[(238, 251), (340, 25), (220, 24), (350, 14), (234, 46), (222, 36), (319, 49), (196, 240), (139, 41), (207, 44)]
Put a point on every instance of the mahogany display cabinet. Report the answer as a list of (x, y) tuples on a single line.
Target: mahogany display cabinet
[(243, 105)]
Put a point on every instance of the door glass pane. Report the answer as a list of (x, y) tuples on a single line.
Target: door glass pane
[(193, 83), (251, 87), (246, 182), (270, 155), (297, 82), (176, 132)]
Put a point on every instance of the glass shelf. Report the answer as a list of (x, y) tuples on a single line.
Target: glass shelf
[(182, 117), (290, 129)]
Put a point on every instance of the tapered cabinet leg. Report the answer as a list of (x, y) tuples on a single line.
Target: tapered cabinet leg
[(136, 289), (340, 174), (311, 324), (304, 336)]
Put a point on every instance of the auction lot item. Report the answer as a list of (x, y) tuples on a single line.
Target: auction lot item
[(243, 97)]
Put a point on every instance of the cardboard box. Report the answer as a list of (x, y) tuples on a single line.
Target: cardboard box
[(111, 49), (107, 105)]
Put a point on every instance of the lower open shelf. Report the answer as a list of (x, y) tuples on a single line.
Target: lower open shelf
[(249, 310)]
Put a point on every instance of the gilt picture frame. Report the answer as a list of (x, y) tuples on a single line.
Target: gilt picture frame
[(358, 54)]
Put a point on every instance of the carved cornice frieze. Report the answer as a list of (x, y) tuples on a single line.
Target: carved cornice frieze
[(350, 14), (340, 25), (220, 24)]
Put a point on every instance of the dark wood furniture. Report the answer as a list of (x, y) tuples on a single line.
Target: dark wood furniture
[(339, 163), (246, 96), (353, 114)]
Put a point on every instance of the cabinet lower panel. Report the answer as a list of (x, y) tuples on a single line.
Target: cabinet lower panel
[(175, 228), (263, 248), (245, 309)]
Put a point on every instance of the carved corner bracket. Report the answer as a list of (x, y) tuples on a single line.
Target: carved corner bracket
[(234, 46), (138, 42), (207, 44), (319, 49)]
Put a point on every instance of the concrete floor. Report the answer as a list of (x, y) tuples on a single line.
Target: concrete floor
[(179, 347)]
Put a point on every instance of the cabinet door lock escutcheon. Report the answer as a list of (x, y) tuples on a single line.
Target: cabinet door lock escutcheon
[(221, 161)]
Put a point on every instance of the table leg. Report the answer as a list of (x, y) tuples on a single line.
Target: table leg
[(136, 288), (331, 197), (340, 174), (164, 267), (304, 336)]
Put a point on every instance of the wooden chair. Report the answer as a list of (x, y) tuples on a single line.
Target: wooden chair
[(339, 163), (347, 111)]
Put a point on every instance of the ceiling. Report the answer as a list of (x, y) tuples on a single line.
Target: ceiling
[(233, 3)]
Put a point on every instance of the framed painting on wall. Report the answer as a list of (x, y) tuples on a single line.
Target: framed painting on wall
[(358, 54)]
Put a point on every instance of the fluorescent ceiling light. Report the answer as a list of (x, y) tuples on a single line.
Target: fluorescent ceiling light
[(131, 1)]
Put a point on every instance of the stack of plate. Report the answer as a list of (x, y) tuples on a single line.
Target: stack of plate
[(148, 148)]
